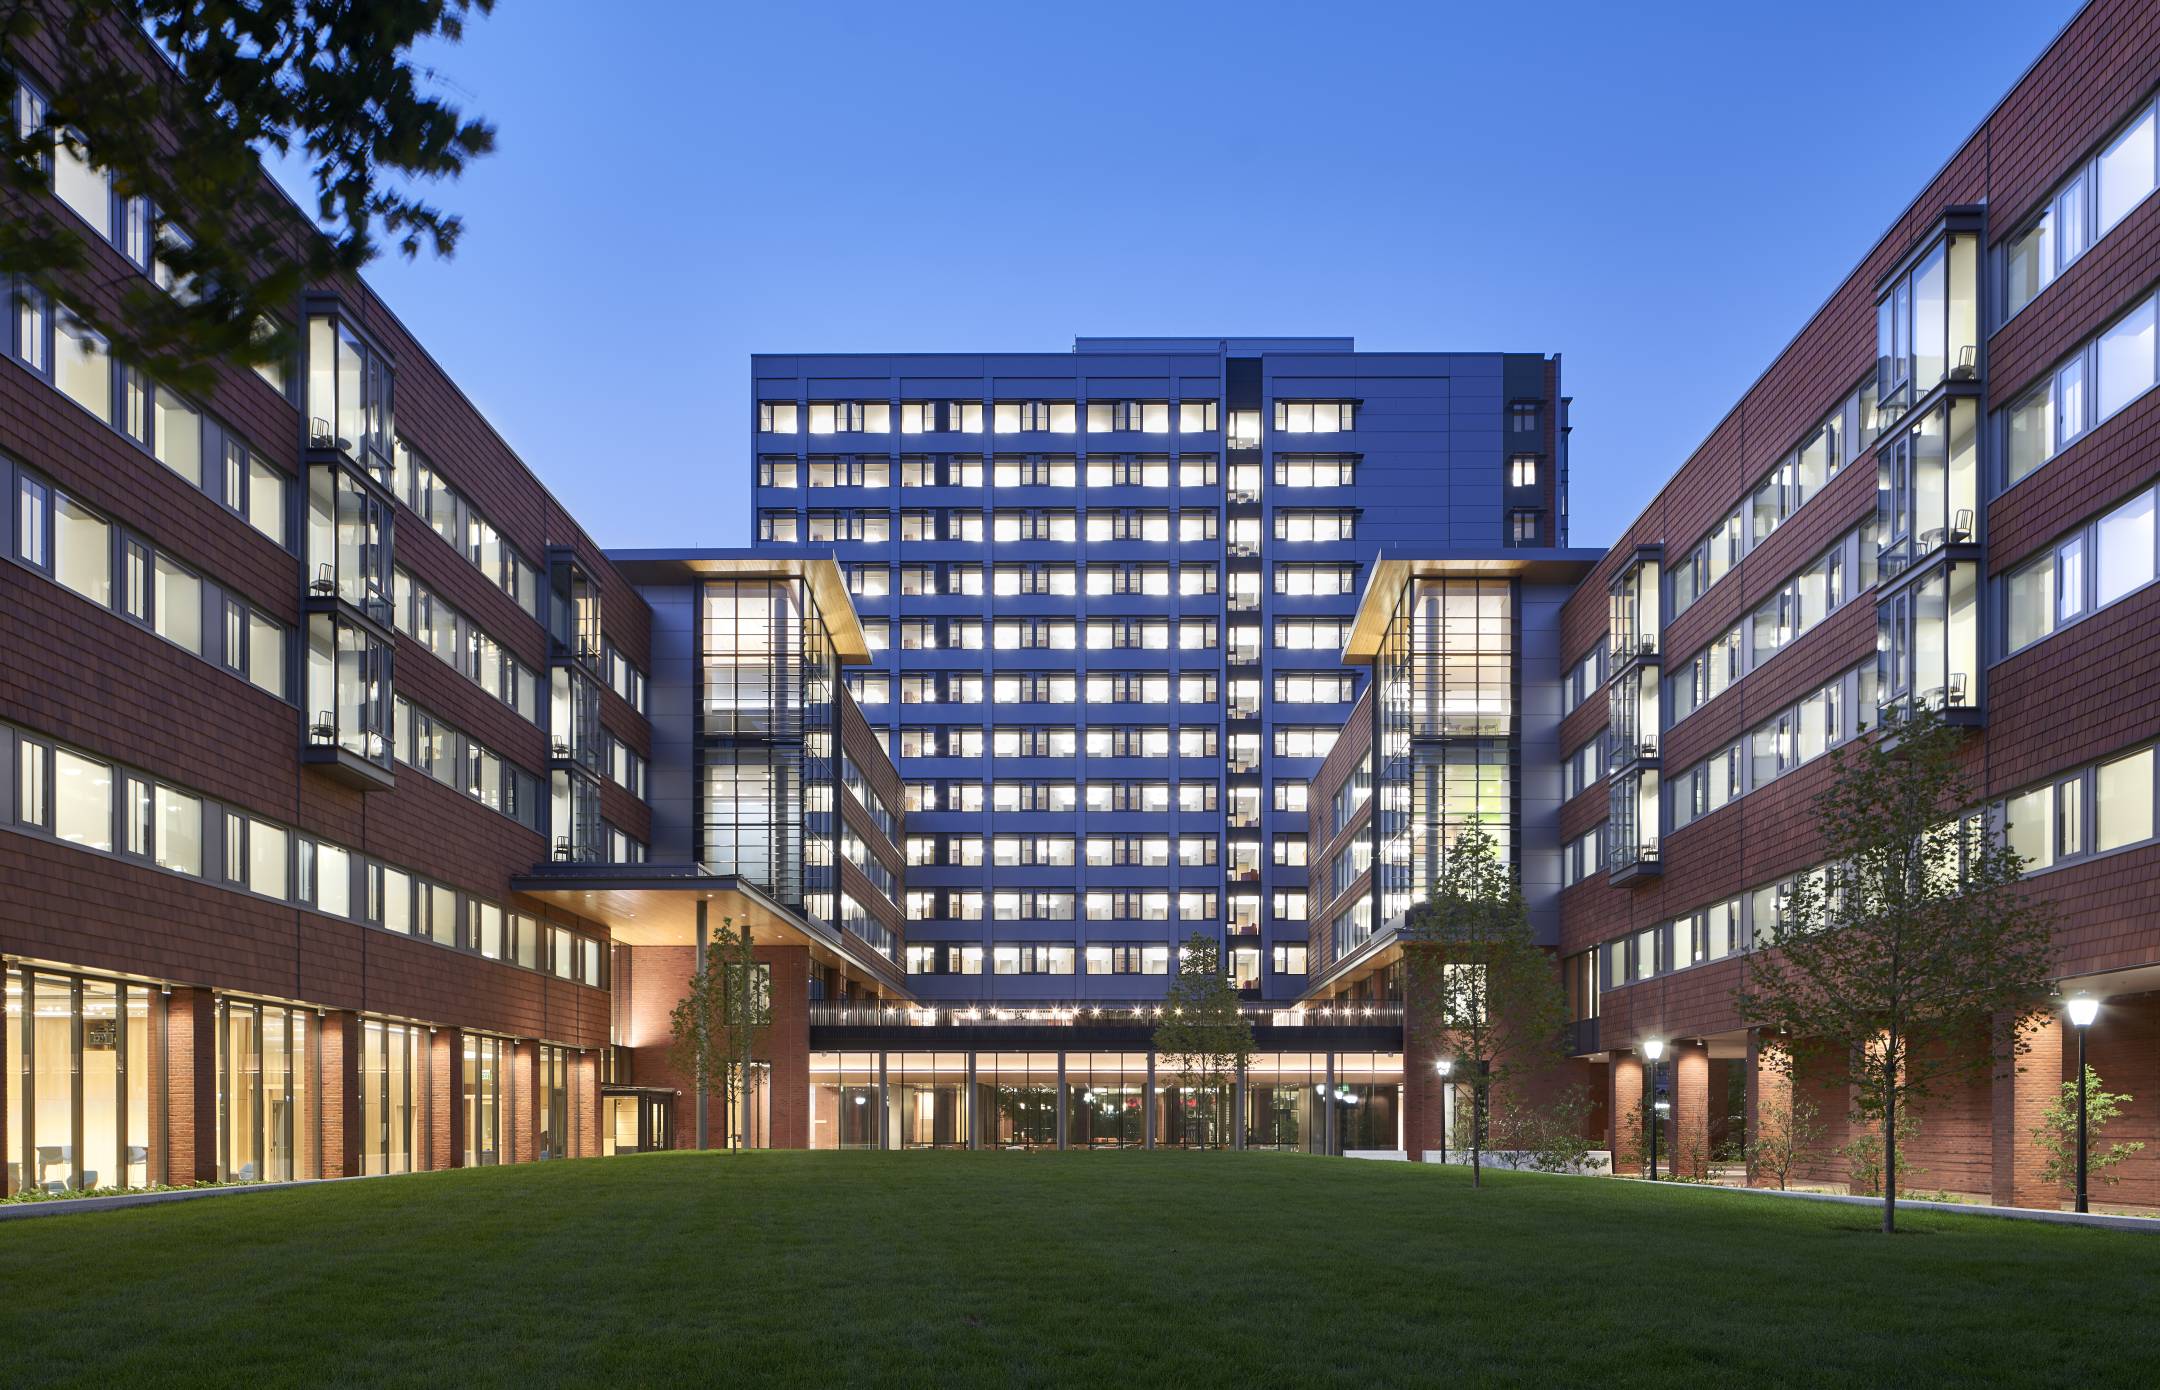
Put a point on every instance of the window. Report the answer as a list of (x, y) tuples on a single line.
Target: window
[(1295, 526), (2123, 801), (82, 800), (941, 417), (1196, 417), (2083, 208), (777, 417), (1146, 417), (1032, 417), (1307, 472), (2096, 565), (1523, 417), (82, 550), (1523, 527), (81, 368), (1315, 417), (2093, 384), (1522, 470), (1300, 580), (850, 417)]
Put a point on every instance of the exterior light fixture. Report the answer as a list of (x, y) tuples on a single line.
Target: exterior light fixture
[(1652, 1050), (1445, 1066), (2083, 1009)]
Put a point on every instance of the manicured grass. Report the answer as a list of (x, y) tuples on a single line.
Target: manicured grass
[(1106, 1268)]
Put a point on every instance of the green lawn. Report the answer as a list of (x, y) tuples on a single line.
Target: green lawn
[(1112, 1269)]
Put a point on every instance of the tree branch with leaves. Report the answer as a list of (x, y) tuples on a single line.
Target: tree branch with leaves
[(1203, 1035), (1476, 985), (1913, 960), (720, 1019), (178, 102)]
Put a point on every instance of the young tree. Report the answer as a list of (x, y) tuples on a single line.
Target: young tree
[(176, 100), (2056, 1133), (1913, 959), (1204, 1037), (715, 1025), (1786, 1132), (1477, 986)]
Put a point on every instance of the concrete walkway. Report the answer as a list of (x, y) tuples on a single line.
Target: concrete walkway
[(71, 1206), (2148, 1224)]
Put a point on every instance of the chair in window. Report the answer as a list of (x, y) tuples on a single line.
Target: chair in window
[(1961, 526), (1957, 690), (51, 1156), (1968, 364), (325, 583), (323, 731)]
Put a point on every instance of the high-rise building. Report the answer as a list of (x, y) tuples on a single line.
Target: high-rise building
[(359, 815), (1106, 593)]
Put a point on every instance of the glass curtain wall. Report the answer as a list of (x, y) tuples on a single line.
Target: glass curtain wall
[(843, 1100), (1105, 1100), (483, 1096), (80, 1081), (1368, 1100), (1018, 1094), (1446, 677), (267, 1062), (928, 1095), (1285, 1102), (766, 764), (394, 1067)]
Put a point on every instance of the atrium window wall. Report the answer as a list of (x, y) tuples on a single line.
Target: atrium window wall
[(394, 1097), (766, 734), (1446, 679), (485, 1098), (83, 1085), (1105, 1100)]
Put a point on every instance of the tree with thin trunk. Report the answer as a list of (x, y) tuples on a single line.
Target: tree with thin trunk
[(1203, 1036), (1913, 959), (1477, 986), (717, 1022), (179, 102), (1787, 1130), (2056, 1134)]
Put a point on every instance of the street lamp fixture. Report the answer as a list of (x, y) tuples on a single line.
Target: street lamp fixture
[(1445, 1066), (2083, 1009), (1652, 1050)]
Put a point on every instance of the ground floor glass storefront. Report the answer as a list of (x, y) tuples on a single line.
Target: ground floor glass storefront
[(1017, 1100), (80, 1078)]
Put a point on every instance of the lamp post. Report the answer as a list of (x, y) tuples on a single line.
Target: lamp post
[(1444, 1066), (1652, 1050), (2083, 1009)]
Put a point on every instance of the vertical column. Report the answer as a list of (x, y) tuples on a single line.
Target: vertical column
[(446, 1138), (702, 1083), (191, 1109), (1624, 1132), (1334, 1108), (787, 1047), (524, 1087), (884, 1101), (1238, 1110), (2023, 1088), (339, 1035), (974, 1107), (1424, 1097), (1769, 1095), (1150, 1108), (1690, 1110), (1061, 1101)]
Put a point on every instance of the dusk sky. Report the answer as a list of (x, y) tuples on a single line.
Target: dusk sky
[(1662, 194)]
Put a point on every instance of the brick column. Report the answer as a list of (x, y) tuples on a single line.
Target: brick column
[(524, 1082), (191, 1087), (1623, 1103), (2023, 1089), (448, 1139), (585, 1105), (1769, 1090), (787, 1048), (338, 1034), (1690, 1079), (1423, 1099)]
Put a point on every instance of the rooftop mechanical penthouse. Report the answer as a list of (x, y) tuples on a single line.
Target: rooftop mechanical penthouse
[(360, 815)]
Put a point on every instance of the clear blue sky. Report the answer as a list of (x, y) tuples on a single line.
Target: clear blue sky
[(1662, 193)]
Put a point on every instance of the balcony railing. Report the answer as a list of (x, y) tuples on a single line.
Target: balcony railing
[(878, 1014)]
